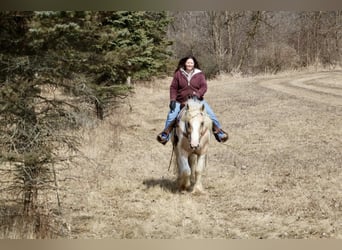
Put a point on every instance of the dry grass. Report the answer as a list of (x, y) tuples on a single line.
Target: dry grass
[(279, 175)]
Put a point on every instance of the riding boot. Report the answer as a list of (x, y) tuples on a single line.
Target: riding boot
[(220, 134), (163, 137)]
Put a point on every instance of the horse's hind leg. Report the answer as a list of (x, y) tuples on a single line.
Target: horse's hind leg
[(198, 188)]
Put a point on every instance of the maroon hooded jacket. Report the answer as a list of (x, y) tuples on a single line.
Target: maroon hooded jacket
[(181, 89)]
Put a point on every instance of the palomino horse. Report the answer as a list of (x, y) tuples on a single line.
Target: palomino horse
[(192, 135)]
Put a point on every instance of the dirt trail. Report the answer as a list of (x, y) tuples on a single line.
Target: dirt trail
[(279, 175), (311, 87)]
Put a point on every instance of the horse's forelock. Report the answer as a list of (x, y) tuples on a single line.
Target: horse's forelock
[(194, 106)]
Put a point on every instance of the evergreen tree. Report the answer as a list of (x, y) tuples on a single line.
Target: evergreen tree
[(140, 45), (30, 122), (87, 56)]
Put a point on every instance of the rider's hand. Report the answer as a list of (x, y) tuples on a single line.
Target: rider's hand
[(172, 105), (195, 95)]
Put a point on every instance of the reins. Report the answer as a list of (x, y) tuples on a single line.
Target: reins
[(173, 149)]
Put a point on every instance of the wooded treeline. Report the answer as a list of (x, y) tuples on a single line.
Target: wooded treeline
[(57, 65), (253, 42)]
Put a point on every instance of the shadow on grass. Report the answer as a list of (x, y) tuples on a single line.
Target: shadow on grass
[(165, 184), (14, 224)]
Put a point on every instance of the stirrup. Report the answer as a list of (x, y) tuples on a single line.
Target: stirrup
[(161, 139), (222, 139), (225, 137)]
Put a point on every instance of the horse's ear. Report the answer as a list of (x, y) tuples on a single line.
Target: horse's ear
[(203, 107)]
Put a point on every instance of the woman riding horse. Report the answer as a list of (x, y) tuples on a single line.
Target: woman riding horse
[(188, 81), (193, 138)]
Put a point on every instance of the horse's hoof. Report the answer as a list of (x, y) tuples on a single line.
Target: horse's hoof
[(184, 189), (198, 191)]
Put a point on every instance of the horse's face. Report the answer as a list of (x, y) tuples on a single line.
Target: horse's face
[(195, 127)]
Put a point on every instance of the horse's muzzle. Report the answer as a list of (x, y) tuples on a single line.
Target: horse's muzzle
[(194, 147)]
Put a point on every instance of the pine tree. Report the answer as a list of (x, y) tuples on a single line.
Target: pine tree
[(138, 47), (87, 57), (30, 123)]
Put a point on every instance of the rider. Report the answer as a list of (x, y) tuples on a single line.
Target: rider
[(188, 81)]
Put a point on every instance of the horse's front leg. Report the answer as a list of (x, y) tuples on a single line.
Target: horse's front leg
[(198, 188), (184, 171), (193, 166)]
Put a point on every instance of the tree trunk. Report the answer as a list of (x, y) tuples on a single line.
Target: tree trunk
[(230, 20), (219, 50), (338, 25), (256, 19), (317, 27)]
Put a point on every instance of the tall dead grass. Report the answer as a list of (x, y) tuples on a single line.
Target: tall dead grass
[(278, 177)]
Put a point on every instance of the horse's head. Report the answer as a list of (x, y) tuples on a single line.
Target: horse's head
[(195, 123)]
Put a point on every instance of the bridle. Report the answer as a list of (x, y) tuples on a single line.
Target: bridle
[(187, 133)]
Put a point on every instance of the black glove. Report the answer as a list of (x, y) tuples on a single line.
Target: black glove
[(196, 96), (172, 105)]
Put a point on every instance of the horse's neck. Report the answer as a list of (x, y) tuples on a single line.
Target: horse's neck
[(207, 121), (181, 114)]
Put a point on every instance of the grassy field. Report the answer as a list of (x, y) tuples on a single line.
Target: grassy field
[(277, 177)]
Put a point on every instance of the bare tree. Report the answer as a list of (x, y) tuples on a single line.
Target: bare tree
[(254, 41), (256, 18), (220, 51)]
